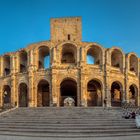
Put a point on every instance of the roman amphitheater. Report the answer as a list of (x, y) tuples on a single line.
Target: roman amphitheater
[(84, 72)]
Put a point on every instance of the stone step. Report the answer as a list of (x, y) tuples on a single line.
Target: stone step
[(28, 130), (66, 122), (71, 127), (69, 135)]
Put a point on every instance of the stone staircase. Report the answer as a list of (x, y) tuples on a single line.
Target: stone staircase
[(68, 122)]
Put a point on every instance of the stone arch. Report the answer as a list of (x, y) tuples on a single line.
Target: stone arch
[(117, 58), (94, 54), (6, 95), (43, 93), (23, 95), (94, 93), (133, 94), (133, 62), (6, 65), (68, 88), (23, 61), (68, 53), (43, 57), (116, 93)]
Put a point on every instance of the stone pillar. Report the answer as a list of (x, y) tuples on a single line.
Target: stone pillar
[(35, 95), (78, 93), (1, 66), (78, 56), (83, 89), (13, 81), (103, 94), (54, 93), (31, 78), (82, 55), (107, 78), (31, 91), (107, 89), (54, 59), (36, 59)]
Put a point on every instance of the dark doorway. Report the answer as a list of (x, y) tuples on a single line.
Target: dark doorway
[(133, 95), (68, 88), (116, 94), (23, 95), (43, 97), (94, 93), (7, 96)]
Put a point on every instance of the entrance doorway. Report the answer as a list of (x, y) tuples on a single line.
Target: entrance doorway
[(43, 94), (133, 94), (116, 96), (6, 96), (94, 93), (23, 95), (68, 88)]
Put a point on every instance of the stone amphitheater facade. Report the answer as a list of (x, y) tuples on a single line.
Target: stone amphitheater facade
[(111, 78)]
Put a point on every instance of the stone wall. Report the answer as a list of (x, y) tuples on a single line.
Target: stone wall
[(113, 66)]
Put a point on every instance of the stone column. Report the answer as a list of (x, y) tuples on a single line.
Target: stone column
[(54, 93), (1, 66), (31, 78), (107, 77), (54, 59), (107, 88), (83, 89), (13, 81), (78, 93), (108, 93)]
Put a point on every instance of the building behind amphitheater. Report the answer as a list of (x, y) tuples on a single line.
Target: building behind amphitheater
[(85, 72)]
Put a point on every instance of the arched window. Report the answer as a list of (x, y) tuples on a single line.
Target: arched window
[(94, 55), (6, 65), (23, 61), (68, 53), (133, 63), (44, 58), (117, 59)]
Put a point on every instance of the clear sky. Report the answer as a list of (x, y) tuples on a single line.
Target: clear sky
[(107, 22)]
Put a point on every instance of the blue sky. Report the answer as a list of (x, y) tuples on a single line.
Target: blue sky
[(107, 22)]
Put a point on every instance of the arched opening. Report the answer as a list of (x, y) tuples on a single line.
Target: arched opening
[(23, 95), (117, 59), (68, 53), (94, 55), (68, 88), (44, 58), (43, 94), (23, 61), (6, 65), (94, 93), (6, 96), (133, 94), (133, 62), (116, 95)]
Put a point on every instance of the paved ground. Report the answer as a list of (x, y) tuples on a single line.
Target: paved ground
[(36, 138)]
